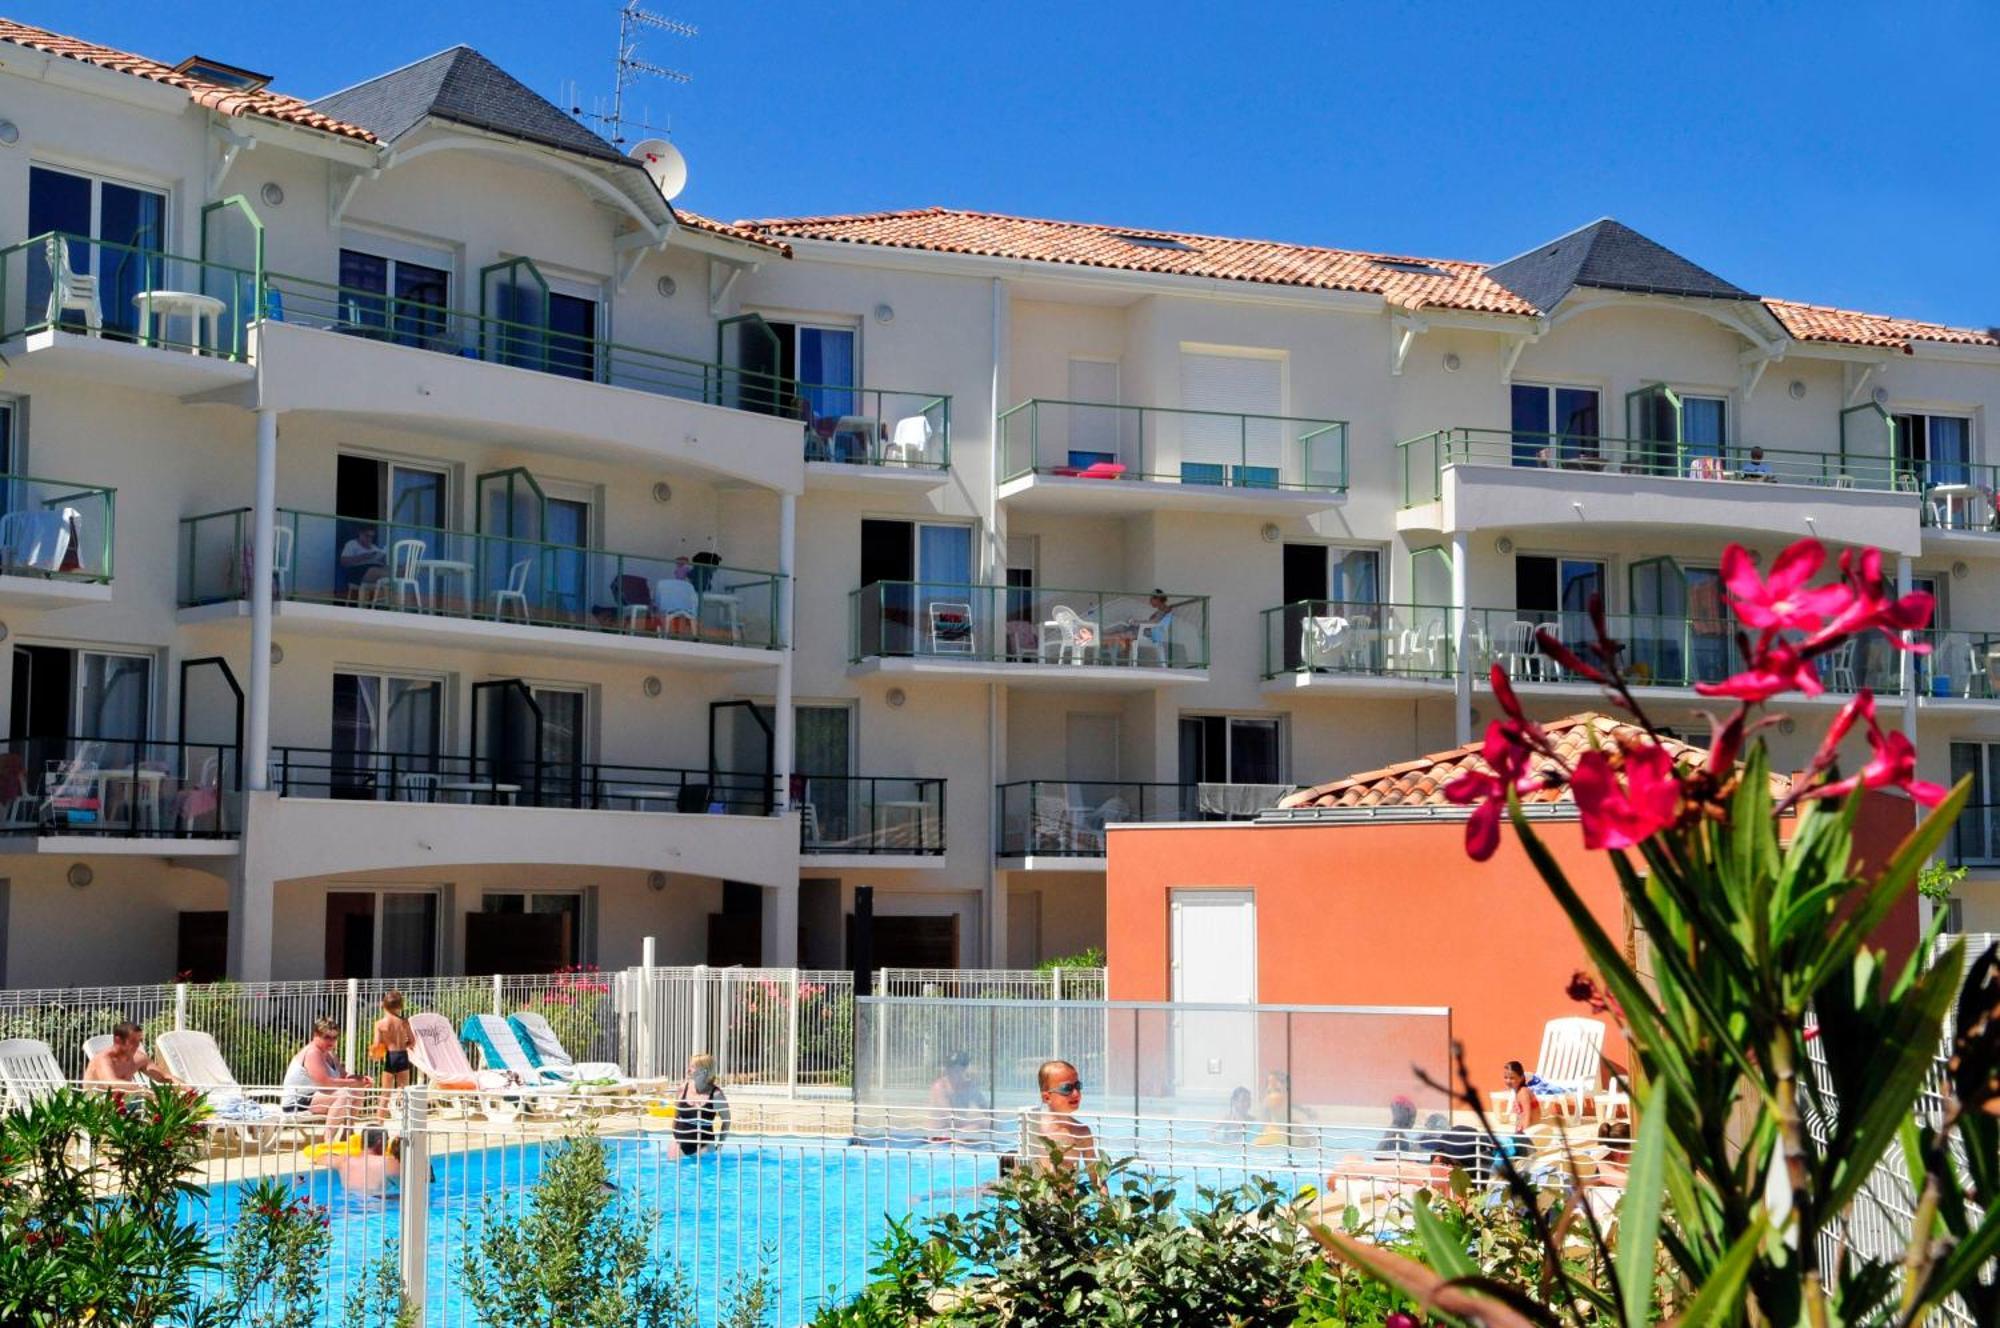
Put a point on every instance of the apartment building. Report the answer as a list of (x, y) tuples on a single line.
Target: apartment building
[(430, 549)]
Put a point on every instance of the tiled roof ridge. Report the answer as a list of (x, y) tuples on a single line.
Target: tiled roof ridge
[(1472, 266), (214, 96), (1963, 335)]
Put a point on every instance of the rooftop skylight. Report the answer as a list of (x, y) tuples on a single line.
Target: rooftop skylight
[(1157, 242), (221, 74)]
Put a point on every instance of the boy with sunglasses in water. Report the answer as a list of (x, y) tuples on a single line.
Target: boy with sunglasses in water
[(1067, 1139)]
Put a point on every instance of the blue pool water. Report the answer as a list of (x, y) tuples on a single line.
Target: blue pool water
[(807, 1215)]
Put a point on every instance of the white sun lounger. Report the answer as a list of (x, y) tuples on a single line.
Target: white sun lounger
[(193, 1057), (553, 1060), (29, 1072)]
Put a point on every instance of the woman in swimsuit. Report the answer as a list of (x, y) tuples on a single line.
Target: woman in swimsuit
[(701, 1112), (393, 1036)]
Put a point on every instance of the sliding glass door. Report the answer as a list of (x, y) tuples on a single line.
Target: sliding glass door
[(131, 223), (385, 727)]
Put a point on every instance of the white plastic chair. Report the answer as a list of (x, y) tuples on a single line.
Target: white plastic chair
[(515, 591), (1571, 1059), (728, 613), (94, 1044), (417, 787), (281, 560), (1836, 668), (677, 601), (1517, 648), (1320, 641), (1071, 634), (909, 442), (951, 628), (1956, 662), (402, 579), (192, 1057), (28, 1072), (70, 289)]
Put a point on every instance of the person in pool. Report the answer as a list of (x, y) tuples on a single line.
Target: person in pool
[(1064, 1139), (701, 1112), (370, 1170), (956, 1101)]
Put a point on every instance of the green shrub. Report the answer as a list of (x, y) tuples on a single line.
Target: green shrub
[(275, 1258)]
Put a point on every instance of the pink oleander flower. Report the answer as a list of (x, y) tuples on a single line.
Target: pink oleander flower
[(1870, 606), (1775, 666), (1506, 753), (1782, 601), (1892, 765), (1616, 815)]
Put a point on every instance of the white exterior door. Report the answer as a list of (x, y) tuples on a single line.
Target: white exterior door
[(1214, 963)]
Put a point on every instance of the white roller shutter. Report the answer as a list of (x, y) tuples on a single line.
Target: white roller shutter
[(1236, 384)]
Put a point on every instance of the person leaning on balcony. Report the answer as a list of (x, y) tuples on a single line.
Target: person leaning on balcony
[(121, 1064), (363, 562), (318, 1083)]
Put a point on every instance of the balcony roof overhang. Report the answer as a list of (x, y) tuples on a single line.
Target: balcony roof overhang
[(1066, 677), (1122, 497)]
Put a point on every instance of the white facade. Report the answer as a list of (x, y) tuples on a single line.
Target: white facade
[(334, 860)]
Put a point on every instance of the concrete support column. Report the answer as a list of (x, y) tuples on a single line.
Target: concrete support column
[(253, 890), (781, 925), (263, 542), (1461, 636), (781, 717)]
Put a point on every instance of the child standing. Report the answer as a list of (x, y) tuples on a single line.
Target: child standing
[(393, 1040)]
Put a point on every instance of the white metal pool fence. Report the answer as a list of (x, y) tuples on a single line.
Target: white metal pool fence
[(1157, 1058), (770, 1029)]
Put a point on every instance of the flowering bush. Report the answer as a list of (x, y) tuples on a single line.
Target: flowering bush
[(1767, 1007), (275, 1261)]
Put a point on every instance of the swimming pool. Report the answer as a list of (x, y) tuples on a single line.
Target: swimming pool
[(807, 1214)]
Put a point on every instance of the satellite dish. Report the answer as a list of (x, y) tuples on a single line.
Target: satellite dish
[(664, 163)]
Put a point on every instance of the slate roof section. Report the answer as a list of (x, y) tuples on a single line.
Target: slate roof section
[(463, 86), (1421, 782), (213, 96), (1406, 282), (1607, 255), (1818, 322)]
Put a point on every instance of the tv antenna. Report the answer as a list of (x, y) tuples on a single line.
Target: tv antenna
[(630, 68)]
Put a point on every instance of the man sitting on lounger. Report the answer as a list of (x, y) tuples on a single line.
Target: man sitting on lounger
[(1063, 1138), (120, 1064)]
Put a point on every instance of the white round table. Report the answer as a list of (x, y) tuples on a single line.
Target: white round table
[(201, 311)]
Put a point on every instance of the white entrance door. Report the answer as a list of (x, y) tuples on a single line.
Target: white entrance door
[(1214, 963)]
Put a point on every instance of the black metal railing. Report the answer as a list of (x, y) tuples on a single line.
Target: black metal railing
[(434, 777), (869, 814), (116, 787)]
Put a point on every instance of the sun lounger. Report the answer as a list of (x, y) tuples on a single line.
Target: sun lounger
[(553, 1060), (29, 1072), (192, 1057), (440, 1057)]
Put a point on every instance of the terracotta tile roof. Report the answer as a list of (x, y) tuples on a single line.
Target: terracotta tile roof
[(1818, 322), (1421, 782), (695, 221), (1410, 283), (214, 96)]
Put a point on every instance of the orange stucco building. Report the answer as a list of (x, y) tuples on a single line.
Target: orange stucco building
[(1360, 892)]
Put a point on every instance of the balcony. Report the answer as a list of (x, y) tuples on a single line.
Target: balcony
[(1075, 456), (870, 821), (414, 361), (1028, 636), (866, 439), (1494, 479), (1961, 671), (85, 308), (1344, 648), (349, 811), (424, 585), (1960, 500), (56, 542), (1059, 825), (98, 795)]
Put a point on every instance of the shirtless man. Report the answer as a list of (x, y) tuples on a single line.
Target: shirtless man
[(1057, 1125), (121, 1063)]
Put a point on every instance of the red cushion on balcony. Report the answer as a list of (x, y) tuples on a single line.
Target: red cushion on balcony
[(1103, 470)]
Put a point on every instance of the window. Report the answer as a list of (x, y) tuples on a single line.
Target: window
[(381, 933), (1556, 592), (572, 336), (822, 361), (1241, 442), (1228, 749), (547, 927), (398, 499), (384, 729), (823, 743), (406, 300), (1096, 431), (82, 694), (13, 443), (128, 222), (920, 563), (1553, 424), (1704, 423), (1975, 839), (1937, 449)]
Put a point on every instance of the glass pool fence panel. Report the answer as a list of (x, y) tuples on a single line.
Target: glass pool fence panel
[(1076, 984), (1295, 1064)]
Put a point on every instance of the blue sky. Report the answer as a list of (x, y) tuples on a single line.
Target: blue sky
[(1834, 153)]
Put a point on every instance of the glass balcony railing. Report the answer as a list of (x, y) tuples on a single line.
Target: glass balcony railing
[(125, 293), (867, 426), (870, 814), (1958, 495), (514, 781), (56, 529), (1424, 459), (360, 562), (1028, 625), (1360, 638), (107, 786), (1043, 437), (1066, 818)]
